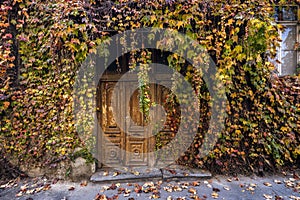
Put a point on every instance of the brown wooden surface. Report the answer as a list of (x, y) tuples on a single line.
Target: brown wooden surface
[(128, 130)]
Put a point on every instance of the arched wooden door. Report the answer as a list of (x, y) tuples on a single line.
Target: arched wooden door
[(121, 121)]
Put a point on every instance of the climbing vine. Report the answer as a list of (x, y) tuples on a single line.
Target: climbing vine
[(44, 43)]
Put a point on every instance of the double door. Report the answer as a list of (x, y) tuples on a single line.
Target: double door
[(125, 136)]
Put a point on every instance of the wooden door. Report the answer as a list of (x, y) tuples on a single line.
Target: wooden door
[(131, 138), (138, 140)]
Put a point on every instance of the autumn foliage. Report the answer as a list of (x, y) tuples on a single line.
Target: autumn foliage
[(44, 42)]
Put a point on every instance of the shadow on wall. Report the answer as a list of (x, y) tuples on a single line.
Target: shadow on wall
[(7, 170)]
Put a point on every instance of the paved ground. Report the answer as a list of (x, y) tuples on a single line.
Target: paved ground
[(219, 187)]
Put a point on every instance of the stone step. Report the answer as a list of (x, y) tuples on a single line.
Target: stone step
[(177, 172), (110, 175)]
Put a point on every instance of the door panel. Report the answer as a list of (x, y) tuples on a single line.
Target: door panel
[(110, 152), (137, 147), (136, 134)]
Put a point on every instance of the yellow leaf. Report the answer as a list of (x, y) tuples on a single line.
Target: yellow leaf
[(6, 104), (238, 49), (239, 22), (179, 24), (152, 18), (210, 37), (230, 21), (250, 93), (235, 38)]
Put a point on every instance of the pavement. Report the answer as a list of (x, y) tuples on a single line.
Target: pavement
[(174, 186)]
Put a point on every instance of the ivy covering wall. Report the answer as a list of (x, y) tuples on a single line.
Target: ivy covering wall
[(44, 43)]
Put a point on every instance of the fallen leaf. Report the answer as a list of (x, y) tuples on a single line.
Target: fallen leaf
[(226, 188), (277, 181), (177, 188), (159, 182), (284, 173), (195, 183), (192, 190), (294, 197), (39, 189), (184, 185), (207, 184), (83, 184), (148, 184), (267, 184), (116, 173), (136, 173), (168, 189), (19, 194), (105, 173), (112, 187), (292, 179), (289, 184), (267, 196), (32, 191), (47, 187), (193, 196), (105, 187), (100, 197), (253, 185), (155, 196), (127, 191), (278, 197), (23, 188), (71, 188), (214, 195), (138, 189), (121, 190)]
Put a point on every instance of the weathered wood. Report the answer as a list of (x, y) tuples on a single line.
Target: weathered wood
[(128, 130)]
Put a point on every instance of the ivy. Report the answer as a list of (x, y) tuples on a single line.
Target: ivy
[(43, 44)]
